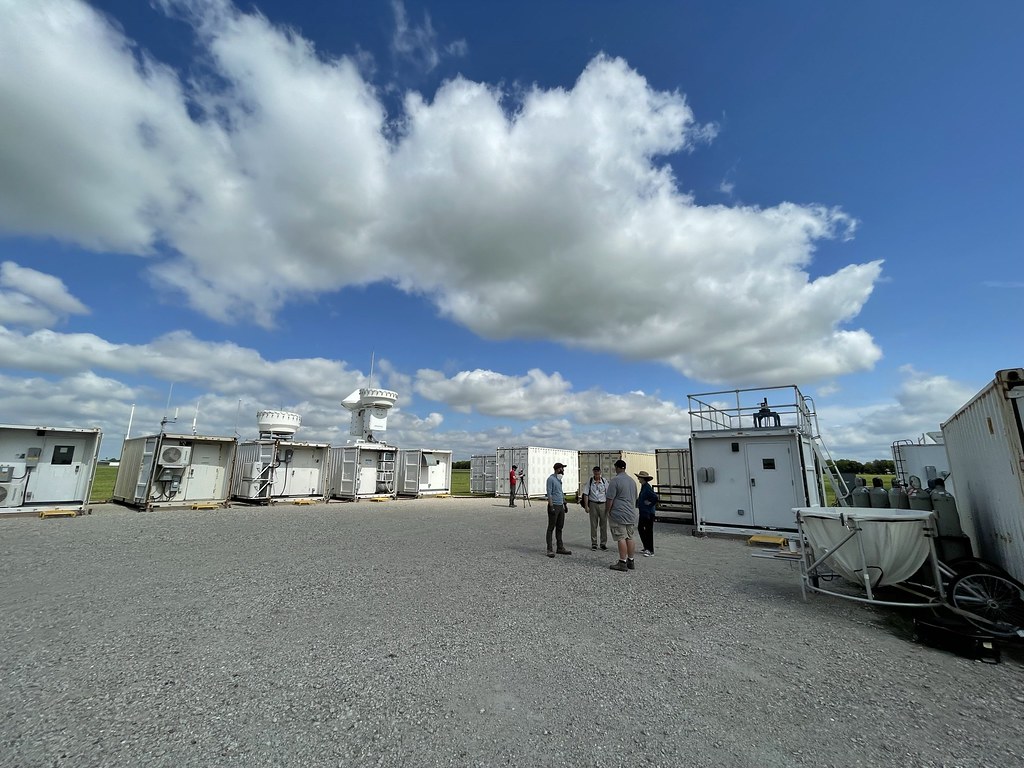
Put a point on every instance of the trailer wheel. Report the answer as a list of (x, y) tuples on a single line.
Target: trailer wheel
[(992, 602)]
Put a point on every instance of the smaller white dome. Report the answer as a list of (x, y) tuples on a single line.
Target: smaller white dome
[(278, 423)]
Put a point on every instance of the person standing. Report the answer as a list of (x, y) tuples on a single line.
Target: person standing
[(512, 486), (556, 510), (647, 504), (595, 495), (622, 514)]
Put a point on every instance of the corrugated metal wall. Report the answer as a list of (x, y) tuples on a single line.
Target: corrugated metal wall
[(984, 444)]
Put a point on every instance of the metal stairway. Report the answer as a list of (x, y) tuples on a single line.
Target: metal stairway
[(825, 462)]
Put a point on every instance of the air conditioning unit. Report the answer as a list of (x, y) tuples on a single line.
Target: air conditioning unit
[(175, 455), (10, 495)]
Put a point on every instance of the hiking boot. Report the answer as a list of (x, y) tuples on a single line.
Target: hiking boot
[(648, 553), (604, 546), (563, 551), (630, 565), (550, 553), (618, 566), (594, 547)]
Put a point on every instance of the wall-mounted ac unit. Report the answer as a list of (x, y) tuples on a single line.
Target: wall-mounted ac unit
[(175, 455), (10, 495)]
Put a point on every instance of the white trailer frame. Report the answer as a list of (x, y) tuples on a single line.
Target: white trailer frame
[(424, 472), (275, 471), (47, 469), (985, 443), (149, 478)]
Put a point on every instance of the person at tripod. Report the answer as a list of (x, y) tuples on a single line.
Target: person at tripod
[(512, 478)]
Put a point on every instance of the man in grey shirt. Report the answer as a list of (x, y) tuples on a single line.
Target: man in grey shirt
[(622, 513)]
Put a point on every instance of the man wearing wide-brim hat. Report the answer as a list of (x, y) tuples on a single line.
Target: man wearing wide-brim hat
[(647, 503)]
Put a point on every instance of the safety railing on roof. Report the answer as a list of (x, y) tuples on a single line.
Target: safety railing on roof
[(753, 408)]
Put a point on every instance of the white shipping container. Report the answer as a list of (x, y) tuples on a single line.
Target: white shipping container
[(538, 463), (363, 471), (748, 482), (481, 473), (269, 471), (424, 473), (168, 470), (636, 461), (46, 468), (985, 446)]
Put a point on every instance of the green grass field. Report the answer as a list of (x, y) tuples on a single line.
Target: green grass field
[(103, 483), (460, 482)]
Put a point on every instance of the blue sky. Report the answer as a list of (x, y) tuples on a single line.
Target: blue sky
[(548, 223)]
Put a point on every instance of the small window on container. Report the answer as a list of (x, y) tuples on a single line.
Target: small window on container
[(63, 454), (768, 463)]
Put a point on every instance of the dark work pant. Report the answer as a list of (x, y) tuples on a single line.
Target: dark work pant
[(556, 519), (512, 496), (646, 530)]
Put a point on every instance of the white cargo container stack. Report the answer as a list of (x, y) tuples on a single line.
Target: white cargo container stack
[(985, 445), (750, 470), (482, 473), (538, 463), (169, 470), (274, 468), (424, 473), (46, 469), (675, 482), (636, 461)]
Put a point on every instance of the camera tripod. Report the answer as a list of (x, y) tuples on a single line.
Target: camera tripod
[(521, 491)]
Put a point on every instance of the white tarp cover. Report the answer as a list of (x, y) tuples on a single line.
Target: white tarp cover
[(895, 545)]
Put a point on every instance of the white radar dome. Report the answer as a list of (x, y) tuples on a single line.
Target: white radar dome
[(278, 423)]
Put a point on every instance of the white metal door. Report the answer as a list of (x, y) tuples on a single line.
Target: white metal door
[(410, 473), (770, 468), (204, 476), (348, 473), (59, 474)]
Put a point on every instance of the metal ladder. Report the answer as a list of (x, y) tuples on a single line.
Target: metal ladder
[(268, 453), (821, 453)]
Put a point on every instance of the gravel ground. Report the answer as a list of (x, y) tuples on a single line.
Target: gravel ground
[(435, 632)]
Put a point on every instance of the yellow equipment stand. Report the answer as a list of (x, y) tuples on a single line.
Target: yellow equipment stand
[(764, 538), (58, 513)]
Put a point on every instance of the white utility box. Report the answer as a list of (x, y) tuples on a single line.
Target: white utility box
[(274, 468), (363, 471)]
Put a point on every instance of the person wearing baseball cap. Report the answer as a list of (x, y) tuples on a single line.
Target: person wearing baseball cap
[(622, 514), (556, 510)]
